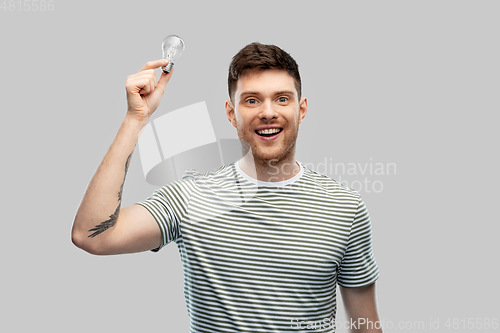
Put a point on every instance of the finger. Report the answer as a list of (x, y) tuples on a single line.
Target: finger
[(162, 82), (148, 76), (145, 74), (154, 64), (152, 80), (135, 84), (144, 86), (140, 75), (138, 79)]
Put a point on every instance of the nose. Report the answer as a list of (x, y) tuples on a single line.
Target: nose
[(267, 111)]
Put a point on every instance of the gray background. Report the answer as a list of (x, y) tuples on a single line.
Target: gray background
[(413, 83)]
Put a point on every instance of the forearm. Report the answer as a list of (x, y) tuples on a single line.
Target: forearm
[(101, 203)]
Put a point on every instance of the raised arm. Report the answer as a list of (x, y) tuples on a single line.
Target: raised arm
[(100, 226)]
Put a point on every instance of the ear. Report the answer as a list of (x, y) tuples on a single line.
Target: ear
[(230, 113), (302, 109)]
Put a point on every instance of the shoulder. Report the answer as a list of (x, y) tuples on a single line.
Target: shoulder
[(327, 189), (220, 175), (329, 185)]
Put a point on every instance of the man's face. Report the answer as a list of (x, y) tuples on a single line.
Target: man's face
[(267, 113)]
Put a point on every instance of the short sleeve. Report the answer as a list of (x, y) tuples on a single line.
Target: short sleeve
[(358, 267), (168, 206)]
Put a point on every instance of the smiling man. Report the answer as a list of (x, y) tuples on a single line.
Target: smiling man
[(266, 109), (264, 241)]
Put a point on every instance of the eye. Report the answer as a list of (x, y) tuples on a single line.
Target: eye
[(251, 101), (283, 99)]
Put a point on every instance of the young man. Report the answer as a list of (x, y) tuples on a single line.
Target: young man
[(263, 240)]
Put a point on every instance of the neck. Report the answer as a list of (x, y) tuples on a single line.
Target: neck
[(272, 170)]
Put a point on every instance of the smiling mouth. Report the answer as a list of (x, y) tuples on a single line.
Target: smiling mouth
[(269, 132)]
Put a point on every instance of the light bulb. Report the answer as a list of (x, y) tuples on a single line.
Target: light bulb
[(172, 47)]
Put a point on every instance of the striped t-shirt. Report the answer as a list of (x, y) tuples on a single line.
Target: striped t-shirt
[(264, 256)]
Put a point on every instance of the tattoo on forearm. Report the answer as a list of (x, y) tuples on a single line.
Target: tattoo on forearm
[(98, 229), (106, 224)]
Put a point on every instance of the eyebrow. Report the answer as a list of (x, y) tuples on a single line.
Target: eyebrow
[(285, 92), (246, 93), (282, 92)]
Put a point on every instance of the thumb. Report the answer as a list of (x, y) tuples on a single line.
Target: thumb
[(162, 82)]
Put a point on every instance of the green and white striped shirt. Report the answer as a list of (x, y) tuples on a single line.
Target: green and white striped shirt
[(264, 256)]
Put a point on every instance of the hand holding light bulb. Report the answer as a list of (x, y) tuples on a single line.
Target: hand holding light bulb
[(144, 92)]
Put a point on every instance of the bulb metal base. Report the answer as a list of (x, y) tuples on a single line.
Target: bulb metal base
[(167, 69)]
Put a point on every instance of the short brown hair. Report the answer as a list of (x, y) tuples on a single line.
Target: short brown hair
[(257, 56)]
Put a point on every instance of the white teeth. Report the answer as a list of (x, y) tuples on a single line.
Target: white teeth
[(269, 131)]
